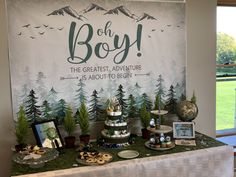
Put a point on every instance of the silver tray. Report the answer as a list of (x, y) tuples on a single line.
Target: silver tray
[(50, 154)]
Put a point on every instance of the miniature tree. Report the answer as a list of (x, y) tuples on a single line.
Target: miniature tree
[(69, 122), (144, 116), (145, 121), (95, 108), (132, 111), (46, 110), (32, 110), (194, 99), (83, 119), (22, 128), (171, 102), (69, 125), (81, 94)]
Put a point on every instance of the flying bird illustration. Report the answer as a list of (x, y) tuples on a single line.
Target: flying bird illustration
[(45, 26), (60, 28), (37, 26), (51, 28), (32, 37), (153, 29), (26, 26), (20, 33), (41, 33)]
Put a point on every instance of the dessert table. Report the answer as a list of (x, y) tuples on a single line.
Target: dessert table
[(209, 158)]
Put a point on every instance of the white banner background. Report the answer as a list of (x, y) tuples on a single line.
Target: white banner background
[(39, 49)]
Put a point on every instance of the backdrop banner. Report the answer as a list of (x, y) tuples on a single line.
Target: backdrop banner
[(65, 52)]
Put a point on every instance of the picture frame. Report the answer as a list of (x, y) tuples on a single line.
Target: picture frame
[(183, 130), (47, 134)]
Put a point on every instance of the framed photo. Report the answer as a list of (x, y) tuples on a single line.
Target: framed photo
[(183, 130), (47, 134)]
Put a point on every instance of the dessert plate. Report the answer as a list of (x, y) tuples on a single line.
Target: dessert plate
[(128, 154)]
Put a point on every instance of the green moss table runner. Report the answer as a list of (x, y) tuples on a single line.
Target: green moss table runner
[(67, 157)]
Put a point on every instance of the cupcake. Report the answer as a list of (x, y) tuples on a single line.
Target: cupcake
[(169, 144), (163, 144)]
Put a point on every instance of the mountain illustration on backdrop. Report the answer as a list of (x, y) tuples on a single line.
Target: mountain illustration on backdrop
[(123, 10), (69, 11), (93, 6), (145, 16)]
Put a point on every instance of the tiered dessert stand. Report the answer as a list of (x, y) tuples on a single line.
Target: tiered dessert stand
[(158, 139)]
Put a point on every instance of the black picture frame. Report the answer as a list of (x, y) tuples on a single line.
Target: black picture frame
[(47, 134)]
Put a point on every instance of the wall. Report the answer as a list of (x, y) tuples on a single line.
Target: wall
[(201, 37), (6, 135), (201, 52)]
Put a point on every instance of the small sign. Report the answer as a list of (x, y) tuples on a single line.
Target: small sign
[(183, 130)]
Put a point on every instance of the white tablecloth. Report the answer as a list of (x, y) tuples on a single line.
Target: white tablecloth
[(211, 162)]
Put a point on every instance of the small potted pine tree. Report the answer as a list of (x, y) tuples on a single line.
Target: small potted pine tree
[(145, 121), (21, 130), (83, 120), (69, 125)]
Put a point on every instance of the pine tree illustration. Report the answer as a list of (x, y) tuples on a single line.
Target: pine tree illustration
[(160, 90), (81, 94), (95, 110), (137, 96), (52, 100), (32, 110), (183, 97), (41, 89), (46, 110), (107, 103), (122, 101), (132, 110), (171, 101), (178, 91), (147, 101), (24, 94), (102, 99), (61, 111)]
